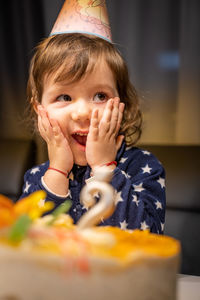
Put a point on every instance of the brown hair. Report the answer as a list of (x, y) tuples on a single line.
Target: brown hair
[(68, 57)]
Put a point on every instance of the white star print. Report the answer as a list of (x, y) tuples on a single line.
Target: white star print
[(123, 225), (135, 199), (118, 197), (143, 225), (35, 170), (27, 187), (125, 174), (158, 204), (162, 226), (69, 193), (138, 187), (146, 152), (146, 169), (161, 181), (123, 159)]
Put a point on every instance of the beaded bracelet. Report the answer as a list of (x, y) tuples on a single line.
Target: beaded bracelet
[(66, 174)]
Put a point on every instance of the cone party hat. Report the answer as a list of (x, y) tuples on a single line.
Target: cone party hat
[(83, 16)]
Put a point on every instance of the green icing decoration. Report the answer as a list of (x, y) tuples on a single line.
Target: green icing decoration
[(61, 209), (19, 229)]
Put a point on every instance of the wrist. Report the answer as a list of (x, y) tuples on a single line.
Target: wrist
[(59, 165), (57, 182), (111, 165), (65, 173)]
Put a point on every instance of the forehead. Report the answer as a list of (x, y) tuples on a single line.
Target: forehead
[(97, 70), (99, 77)]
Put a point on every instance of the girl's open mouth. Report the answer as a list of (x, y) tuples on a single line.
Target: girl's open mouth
[(80, 138)]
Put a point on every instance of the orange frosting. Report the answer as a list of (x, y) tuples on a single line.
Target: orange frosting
[(144, 242), (64, 238)]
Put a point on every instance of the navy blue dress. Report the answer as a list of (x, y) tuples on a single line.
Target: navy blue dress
[(139, 183)]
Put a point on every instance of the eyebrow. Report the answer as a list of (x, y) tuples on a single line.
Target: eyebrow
[(104, 86), (60, 87)]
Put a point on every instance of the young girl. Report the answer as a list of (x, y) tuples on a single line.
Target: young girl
[(88, 114)]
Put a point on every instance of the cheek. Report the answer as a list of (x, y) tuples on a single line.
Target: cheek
[(54, 114), (60, 116)]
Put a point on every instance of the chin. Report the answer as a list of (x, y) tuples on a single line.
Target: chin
[(81, 161)]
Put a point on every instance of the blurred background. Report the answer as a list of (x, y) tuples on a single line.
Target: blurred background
[(160, 41)]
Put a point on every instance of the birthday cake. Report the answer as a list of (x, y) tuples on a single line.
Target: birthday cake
[(51, 258)]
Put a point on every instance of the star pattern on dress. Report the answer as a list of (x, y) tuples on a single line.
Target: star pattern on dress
[(27, 187), (123, 225), (126, 174), (161, 181), (162, 226), (158, 205), (146, 152), (146, 169), (138, 187), (143, 225), (123, 159), (147, 178), (35, 170), (135, 200), (118, 197), (70, 194)]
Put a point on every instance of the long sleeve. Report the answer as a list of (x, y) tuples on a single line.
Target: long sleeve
[(33, 182), (139, 182)]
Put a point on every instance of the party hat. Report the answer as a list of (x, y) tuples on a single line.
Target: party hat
[(83, 16)]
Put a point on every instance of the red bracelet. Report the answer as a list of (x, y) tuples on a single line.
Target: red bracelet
[(111, 163), (66, 174)]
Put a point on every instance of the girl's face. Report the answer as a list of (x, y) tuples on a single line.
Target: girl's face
[(72, 104)]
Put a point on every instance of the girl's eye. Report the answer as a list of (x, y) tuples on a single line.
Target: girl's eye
[(64, 98), (100, 97)]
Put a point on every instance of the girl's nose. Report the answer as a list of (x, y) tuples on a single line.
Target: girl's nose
[(81, 111)]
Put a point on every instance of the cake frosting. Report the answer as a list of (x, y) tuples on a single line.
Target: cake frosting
[(48, 258)]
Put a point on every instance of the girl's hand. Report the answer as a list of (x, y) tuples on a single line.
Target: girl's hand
[(103, 141), (59, 151)]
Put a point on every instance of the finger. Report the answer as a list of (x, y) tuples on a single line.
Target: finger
[(55, 127), (108, 110), (41, 129), (45, 121), (120, 117), (94, 125), (119, 141), (104, 124), (114, 117)]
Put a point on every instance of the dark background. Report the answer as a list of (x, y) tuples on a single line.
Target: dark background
[(159, 39)]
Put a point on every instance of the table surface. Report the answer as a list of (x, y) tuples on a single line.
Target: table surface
[(188, 287)]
